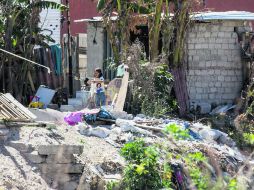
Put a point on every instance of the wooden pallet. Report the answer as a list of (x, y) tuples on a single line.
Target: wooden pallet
[(11, 109)]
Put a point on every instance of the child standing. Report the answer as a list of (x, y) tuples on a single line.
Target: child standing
[(100, 97)]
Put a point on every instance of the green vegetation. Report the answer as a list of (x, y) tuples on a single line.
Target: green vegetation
[(19, 34), (142, 171), (153, 166), (176, 131)]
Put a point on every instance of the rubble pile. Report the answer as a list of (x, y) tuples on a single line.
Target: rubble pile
[(4, 131), (213, 143), (81, 151)]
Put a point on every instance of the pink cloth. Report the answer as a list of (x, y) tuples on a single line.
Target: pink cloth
[(76, 117), (73, 118)]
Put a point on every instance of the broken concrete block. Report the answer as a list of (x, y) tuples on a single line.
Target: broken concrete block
[(70, 186), (60, 178), (120, 122), (116, 130), (84, 186), (127, 137), (98, 132), (60, 149), (129, 126), (204, 107), (20, 146), (2, 126), (3, 138), (121, 115), (35, 158), (141, 116), (225, 139), (61, 168), (210, 134), (60, 159), (4, 131)]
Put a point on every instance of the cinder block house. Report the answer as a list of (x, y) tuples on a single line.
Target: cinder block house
[(215, 69)]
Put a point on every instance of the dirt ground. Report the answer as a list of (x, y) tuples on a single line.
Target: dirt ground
[(17, 173)]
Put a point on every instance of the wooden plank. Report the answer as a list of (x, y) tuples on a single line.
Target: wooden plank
[(15, 105), (7, 103), (6, 112), (122, 92), (21, 108), (11, 107), (114, 99), (149, 128), (17, 123)]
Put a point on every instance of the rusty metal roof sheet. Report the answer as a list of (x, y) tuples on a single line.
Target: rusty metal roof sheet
[(229, 15), (11, 109)]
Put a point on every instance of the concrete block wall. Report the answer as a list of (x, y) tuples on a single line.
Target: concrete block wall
[(215, 72), (57, 164)]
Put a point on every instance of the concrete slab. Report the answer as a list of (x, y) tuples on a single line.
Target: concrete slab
[(62, 168), (60, 159), (35, 158), (60, 149)]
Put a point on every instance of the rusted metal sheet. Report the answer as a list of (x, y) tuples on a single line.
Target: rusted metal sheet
[(229, 15), (11, 109)]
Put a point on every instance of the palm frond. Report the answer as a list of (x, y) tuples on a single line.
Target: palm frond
[(48, 5)]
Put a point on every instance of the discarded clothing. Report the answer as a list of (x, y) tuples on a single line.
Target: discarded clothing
[(76, 117), (56, 54), (73, 118), (104, 114), (90, 117), (193, 134)]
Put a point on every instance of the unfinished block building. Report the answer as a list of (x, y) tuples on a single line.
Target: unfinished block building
[(215, 73), (215, 69)]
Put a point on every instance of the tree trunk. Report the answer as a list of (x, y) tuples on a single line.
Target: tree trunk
[(154, 32)]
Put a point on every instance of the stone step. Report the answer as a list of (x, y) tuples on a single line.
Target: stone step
[(61, 158), (67, 108), (72, 185), (75, 102), (61, 168), (20, 146), (35, 158), (59, 149)]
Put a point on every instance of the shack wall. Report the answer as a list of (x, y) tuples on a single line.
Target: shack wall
[(215, 69)]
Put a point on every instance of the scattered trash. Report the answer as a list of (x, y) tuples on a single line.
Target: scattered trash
[(45, 95), (98, 132), (73, 118), (222, 109)]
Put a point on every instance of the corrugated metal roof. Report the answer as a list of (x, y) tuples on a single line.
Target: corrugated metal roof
[(94, 19), (229, 15)]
